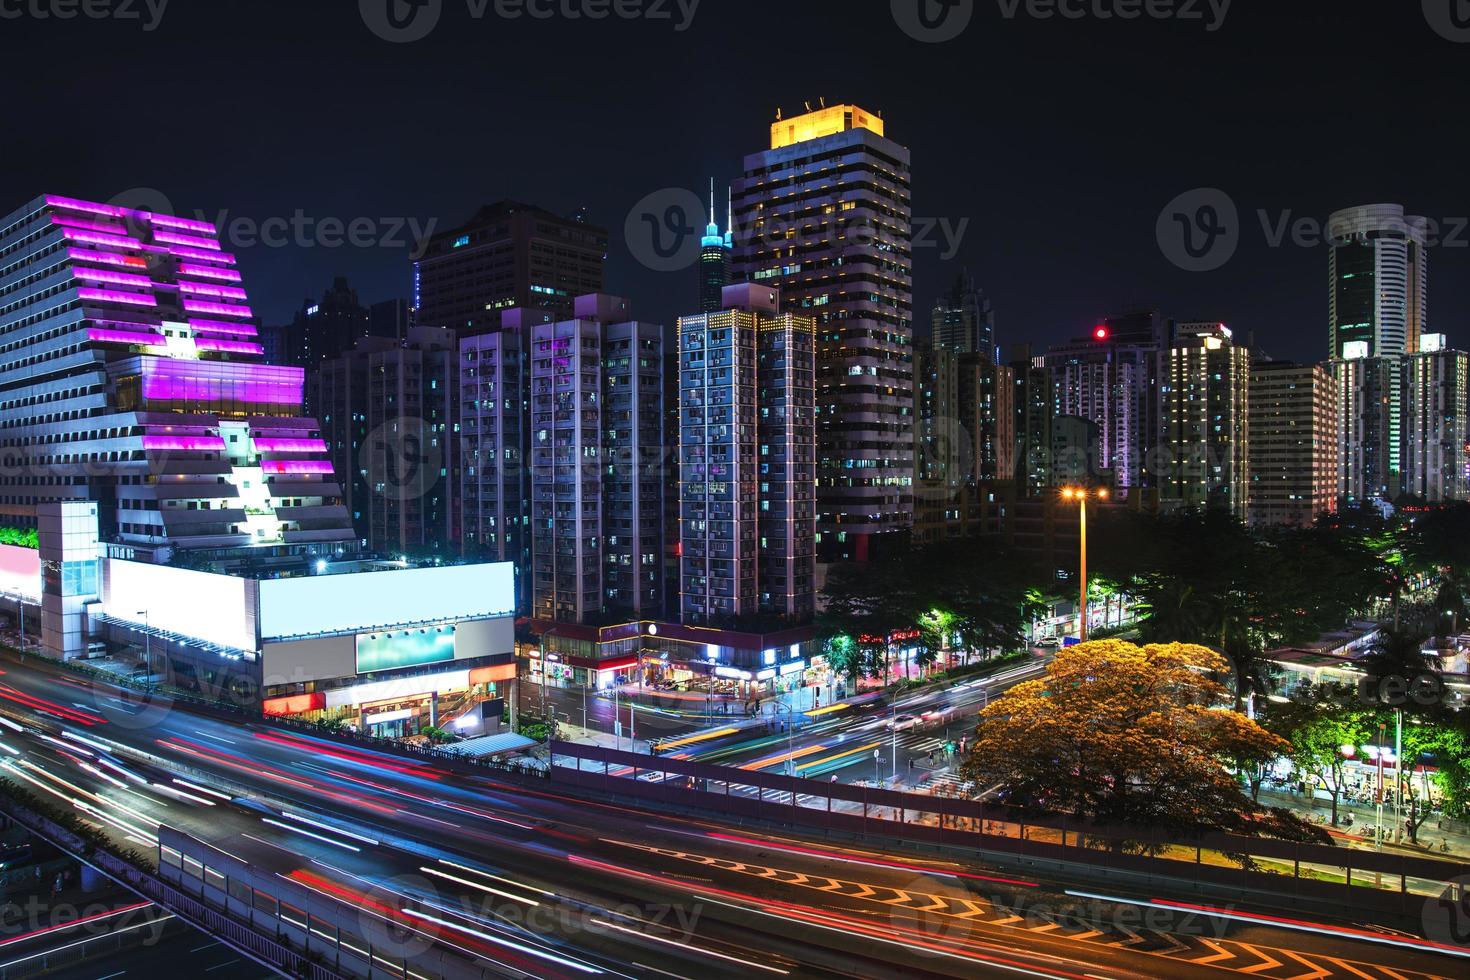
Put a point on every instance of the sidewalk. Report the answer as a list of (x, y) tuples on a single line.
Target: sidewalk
[(1435, 831)]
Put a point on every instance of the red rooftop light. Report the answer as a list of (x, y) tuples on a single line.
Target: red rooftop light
[(1101, 333)]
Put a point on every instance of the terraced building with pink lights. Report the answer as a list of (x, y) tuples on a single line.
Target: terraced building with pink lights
[(131, 376)]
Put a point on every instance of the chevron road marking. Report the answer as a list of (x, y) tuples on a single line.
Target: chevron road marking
[(941, 904), (1317, 972), (1268, 962), (902, 897), (1219, 955), (974, 909), (1050, 925), (1132, 940), (1349, 967), (1083, 936), (1176, 945)]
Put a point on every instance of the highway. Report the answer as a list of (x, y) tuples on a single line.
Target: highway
[(529, 882)]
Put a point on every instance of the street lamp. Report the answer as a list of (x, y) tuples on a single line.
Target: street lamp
[(1080, 494)]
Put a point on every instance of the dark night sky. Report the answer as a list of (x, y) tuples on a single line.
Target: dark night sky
[(1060, 141)]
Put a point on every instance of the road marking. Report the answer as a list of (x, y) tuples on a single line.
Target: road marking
[(1317, 972), (1268, 962), (1349, 967), (1220, 954)]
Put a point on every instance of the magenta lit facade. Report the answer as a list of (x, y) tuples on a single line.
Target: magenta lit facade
[(132, 377)]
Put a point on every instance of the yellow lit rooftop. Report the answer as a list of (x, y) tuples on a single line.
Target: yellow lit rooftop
[(823, 122)]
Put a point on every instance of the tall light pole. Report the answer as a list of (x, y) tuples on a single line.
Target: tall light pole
[(1080, 494)]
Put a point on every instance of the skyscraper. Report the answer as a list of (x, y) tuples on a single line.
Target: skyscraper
[(1367, 391), (1033, 407), (1378, 308), (508, 255), (326, 327), (824, 216), (1112, 381), (963, 320), (1293, 443), (1204, 394), (596, 464), (133, 380), (388, 409), (1436, 429), (747, 460), (714, 259)]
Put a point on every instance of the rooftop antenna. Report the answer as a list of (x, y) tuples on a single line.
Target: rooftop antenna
[(778, 113), (808, 105), (711, 200), (822, 101)]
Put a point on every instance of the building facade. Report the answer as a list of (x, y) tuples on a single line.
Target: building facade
[(388, 410), (747, 461), (596, 464), (1204, 406), (132, 378), (1435, 427), (508, 255), (1369, 466), (714, 259), (824, 215), (1111, 379), (1293, 443), (963, 320)]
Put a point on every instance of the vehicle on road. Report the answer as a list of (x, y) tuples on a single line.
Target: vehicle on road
[(903, 722)]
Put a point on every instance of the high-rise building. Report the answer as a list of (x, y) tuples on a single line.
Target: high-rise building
[(1367, 393), (326, 327), (1204, 395), (388, 409), (596, 464), (1033, 406), (824, 216), (1293, 443), (1112, 381), (1435, 428), (1378, 301), (963, 320), (495, 433), (714, 258), (747, 461), (508, 255), (132, 378), (986, 394), (1379, 280), (390, 318)]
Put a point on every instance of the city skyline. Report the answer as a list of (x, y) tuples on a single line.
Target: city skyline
[(1038, 200)]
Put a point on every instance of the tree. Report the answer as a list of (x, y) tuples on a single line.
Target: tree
[(1324, 727), (1120, 733)]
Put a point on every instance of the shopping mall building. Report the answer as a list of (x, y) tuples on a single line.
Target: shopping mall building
[(184, 508)]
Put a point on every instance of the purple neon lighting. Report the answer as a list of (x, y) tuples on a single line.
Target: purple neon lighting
[(107, 258), (116, 278), (208, 272), (191, 241), (219, 292), (219, 382), (201, 255), (228, 346), (67, 221), (91, 238), (272, 444), (91, 207), (113, 296), (183, 443), (228, 329), (183, 224), (297, 466), (105, 336), (218, 309)]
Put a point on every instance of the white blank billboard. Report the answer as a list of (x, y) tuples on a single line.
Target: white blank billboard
[(213, 608), (364, 601)]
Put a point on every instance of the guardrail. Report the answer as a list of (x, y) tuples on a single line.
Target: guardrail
[(1386, 882)]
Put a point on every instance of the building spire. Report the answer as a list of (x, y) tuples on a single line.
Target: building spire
[(729, 216), (712, 232)]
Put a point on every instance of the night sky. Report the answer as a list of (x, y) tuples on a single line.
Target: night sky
[(1060, 141)]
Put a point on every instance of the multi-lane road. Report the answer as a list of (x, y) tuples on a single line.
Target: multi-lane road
[(529, 881)]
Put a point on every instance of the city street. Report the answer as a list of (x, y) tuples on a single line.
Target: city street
[(604, 885)]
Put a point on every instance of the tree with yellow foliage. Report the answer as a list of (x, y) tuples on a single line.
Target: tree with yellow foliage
[(1119, 733)]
